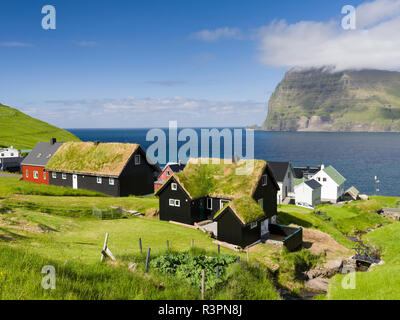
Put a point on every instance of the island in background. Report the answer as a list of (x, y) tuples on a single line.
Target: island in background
[(321, 99)]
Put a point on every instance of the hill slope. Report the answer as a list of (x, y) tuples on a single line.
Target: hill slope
[(22, 131), (321, 100)]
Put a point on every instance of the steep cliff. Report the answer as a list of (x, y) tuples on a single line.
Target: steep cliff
[(322, 100)]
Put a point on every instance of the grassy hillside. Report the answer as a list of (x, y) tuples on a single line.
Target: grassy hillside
[(23, 132)]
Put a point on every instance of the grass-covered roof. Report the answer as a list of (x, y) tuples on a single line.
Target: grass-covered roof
[(108, 159), (245, 208), (216, 178)]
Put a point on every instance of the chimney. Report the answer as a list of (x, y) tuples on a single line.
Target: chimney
[(53, 140), (180, 163), (322, 166)]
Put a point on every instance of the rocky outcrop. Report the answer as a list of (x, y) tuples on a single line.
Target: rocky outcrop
[(324, 100)]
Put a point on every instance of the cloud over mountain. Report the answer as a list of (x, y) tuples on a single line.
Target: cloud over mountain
[(375, 44)]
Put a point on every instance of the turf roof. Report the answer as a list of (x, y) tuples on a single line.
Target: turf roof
[(215, 178), (107, 159), (245, 208)]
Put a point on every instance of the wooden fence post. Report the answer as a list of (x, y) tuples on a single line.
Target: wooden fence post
[(238, 259), (104, 247), (192, 243), (147, 260), (167, 245), (219, 249), (106, 252), (203, 283), (140, 245)]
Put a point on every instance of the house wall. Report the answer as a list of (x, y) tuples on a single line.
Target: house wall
[(181, 214), (330, 190), (10, 153), (87, 182), (43, 176), (269, 195), (288, 182), (137, 179), (231, 230), (304, 194)]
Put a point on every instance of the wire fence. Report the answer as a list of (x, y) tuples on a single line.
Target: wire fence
[(108, 213)]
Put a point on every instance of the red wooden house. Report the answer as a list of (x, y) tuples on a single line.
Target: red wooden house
[(33, 166), (168, 170)]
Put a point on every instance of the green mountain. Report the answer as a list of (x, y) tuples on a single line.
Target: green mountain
[(23, 132), (322, 100)]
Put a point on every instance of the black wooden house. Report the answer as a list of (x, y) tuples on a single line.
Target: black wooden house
[(243, 205), (116, 169)]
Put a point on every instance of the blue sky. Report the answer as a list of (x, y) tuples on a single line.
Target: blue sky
[(142, 63)]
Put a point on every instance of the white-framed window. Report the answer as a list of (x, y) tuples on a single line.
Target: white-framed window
[(27, 173), (222, 203), (174, 186), (44, 175), (324, 179), (253, 225), (171, 202), (35, 175), (209, 203), (264, 180), (111, 181), (261, 203), (2, 154), (177, 203), (54, 175), (64, 176), (99, 180), (168, 173), (137, 159), (12, 154)]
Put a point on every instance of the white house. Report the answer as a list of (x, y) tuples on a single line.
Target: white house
[(332, 184), (284, 175), (309, 192), (10, 159), (10, 153)]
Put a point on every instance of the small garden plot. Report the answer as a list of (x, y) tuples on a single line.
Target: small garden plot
[(188, 267)]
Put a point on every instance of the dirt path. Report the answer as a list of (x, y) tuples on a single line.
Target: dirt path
[(319, 242)]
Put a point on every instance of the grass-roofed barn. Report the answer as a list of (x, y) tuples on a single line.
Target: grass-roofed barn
[(206, 187), (116, 169)]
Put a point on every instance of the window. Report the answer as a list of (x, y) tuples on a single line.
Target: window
[(2, 154), (174, 186), (64, 176), (319, 179), (99, 180), (222, 203), (177, 203), (48, 156), (261, 203), (39, 155), (209, 203), (27, 173), (137, 159), (253, 225), (35, 175), (12, 154), (54, 175), (168, 173), (171, 202), (264, 180), (324, 179), (44, 175), (111, 181)]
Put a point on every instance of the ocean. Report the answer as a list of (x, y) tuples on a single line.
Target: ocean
[(359, 157)]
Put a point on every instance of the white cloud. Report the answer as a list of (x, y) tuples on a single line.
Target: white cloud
[(85, 43), (374, 44), (218, 34), (12, 44), (149, 112)]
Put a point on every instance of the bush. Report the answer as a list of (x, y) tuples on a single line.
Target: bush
[(189, 266)]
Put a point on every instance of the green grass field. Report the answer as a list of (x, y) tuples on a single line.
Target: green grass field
[(23, 132), (44, 225)]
